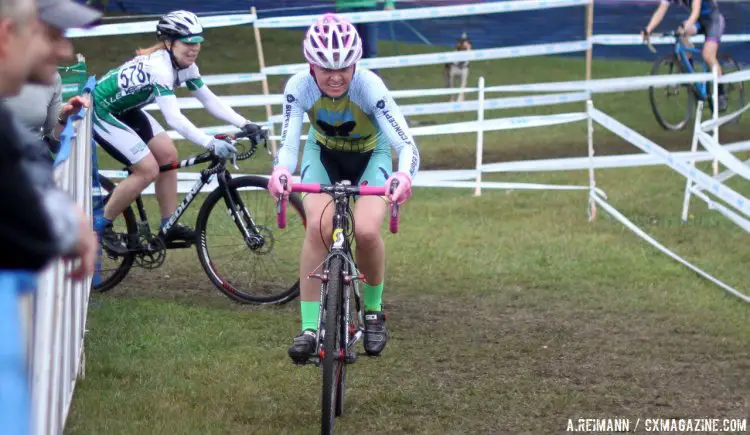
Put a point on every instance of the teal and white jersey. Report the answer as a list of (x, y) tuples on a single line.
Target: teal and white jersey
[(139, 81)]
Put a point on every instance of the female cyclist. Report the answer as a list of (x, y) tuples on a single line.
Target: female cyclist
[(704, 18), (136, 139), (353, 124)]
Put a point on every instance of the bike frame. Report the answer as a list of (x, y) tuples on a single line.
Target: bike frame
[(224, 178), (341, 248), (682, 54)]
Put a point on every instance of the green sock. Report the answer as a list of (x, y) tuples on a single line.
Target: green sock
[(310, 311), (373, 297)]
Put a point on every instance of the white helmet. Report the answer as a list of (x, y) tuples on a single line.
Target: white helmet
[(182, 25), (332, 42)]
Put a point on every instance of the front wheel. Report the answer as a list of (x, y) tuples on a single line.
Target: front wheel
[(260, 269), (672, 105), (333, 364)]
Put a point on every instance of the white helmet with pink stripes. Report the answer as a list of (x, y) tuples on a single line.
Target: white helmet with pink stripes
[(333, 43)]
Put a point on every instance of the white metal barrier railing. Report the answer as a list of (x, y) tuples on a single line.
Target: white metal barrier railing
[(56, 314)]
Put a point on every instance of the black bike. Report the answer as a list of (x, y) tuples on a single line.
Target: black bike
[(339, 330), (245, 233)]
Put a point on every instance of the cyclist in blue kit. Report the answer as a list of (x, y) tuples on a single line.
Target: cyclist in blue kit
[(704, 18)]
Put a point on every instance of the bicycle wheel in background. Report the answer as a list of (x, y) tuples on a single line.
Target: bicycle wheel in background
[(114, 267), (260, 271), (672, 105)]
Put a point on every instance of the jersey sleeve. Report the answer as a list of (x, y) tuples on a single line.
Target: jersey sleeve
[(298, 98), (193, 79), (163, 80), (171, 110), (380, 105)]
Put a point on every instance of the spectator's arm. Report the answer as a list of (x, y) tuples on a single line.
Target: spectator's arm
[(52, 128)]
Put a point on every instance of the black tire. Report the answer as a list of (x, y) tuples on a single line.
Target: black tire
[(734, 91), (675, 67), (132, 228), (332, 363), (224, 285)]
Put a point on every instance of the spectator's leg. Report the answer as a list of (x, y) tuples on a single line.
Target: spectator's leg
[(369, 34)]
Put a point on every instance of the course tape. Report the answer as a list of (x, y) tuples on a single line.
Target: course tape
[(712, 124), (421, 13), (734, 77), (502, 185), (447, 57), (627, 39), (632, 227), (724, 156), (150, 26), (690, 172), (601, 162), (617, 84), (231, 100), (230, 79), (472, 106), (453, 128), (729, 214)]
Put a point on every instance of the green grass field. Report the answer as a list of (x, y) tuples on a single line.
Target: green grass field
[(508, 313)]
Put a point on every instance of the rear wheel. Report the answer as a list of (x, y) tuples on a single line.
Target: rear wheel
[(735, 92), (262, 269), (673, 104), (113, 268)]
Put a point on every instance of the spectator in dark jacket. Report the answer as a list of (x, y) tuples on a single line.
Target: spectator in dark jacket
[(38, 221)]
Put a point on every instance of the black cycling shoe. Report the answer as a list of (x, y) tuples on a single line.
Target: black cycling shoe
[(180, 232), (303, 347), (113, 242), (723, 103), (376, 335)]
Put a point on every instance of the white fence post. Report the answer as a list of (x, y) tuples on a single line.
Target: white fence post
[(480, 136), (693, 149), (592, 180), (715, 97)]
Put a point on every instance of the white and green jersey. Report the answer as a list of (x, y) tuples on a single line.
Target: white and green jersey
[(139, 81)]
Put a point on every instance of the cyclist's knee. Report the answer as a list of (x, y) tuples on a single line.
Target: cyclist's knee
[(367, 234), (709, 54), (318, 232), (163, 149), (147, 168)]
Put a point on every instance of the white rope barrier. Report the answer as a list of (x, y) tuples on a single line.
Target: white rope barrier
[(150, 26), (628, 39), (448, 57), (452, 128), (713, 123), (472, 106), (640, 233), (422, 13), (736, 77), (684, 168)]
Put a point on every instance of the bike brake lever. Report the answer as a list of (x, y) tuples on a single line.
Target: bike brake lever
[(234, 161)]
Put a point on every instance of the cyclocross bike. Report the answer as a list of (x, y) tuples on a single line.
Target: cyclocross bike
[(669, 115), (340, 328), (232, 275)]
